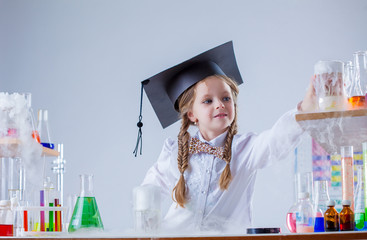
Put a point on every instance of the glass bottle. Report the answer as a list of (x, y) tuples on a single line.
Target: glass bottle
[(321, 199), (331, 217), (346, 217), (304, 215), (347, 174), (86, 213), (359, 200)]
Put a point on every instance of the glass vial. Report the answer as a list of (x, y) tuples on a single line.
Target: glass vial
[(86, 213), (347, 174), (331, 217), (304, 215), (321, 200), (346, 217)]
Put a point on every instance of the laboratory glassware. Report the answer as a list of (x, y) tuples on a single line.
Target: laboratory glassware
[(359, 200), (6, 218), (304, 183), (147, 209), (346, 217), (364, 153), (86, 213), (304, 215), (329, 85), (43, 129), (321, 199), (331, 217), (347, 174), (359, 83)]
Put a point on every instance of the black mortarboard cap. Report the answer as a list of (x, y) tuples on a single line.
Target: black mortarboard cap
[(164, 88)]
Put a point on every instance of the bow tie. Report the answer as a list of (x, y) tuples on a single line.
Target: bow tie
[(197, 146)]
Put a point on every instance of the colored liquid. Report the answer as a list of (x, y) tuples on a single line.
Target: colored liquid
[(319, 224), (6, 230), (85, 215), (356, 102), (347, 222), (304, 228), (36, 136), (359, 220), (291, 222), (48, 145)]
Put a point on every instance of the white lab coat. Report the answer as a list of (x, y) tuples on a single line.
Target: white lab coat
[(209, 208)]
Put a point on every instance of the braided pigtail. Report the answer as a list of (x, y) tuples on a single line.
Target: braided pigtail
[(182, 160), (226, 176)]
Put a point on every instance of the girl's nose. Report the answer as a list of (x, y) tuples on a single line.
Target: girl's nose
[(220, 105)]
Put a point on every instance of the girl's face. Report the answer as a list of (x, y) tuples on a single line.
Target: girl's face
[(213, 107)]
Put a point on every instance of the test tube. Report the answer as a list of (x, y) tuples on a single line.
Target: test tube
[(42, 213), (347, 174)]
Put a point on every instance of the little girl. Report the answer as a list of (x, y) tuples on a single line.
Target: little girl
[(210, 174)]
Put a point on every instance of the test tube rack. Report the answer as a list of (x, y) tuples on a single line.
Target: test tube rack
[(31, 223)]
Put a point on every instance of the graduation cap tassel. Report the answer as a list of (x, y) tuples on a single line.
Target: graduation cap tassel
[(140, 123)]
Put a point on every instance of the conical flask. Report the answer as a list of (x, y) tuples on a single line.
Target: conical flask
[(43, 129), (320, 204), (86, 214)]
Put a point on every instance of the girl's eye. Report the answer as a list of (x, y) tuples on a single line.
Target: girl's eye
[(207, 101), (226, 99)]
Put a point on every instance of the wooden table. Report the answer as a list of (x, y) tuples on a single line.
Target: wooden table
[(290, 236)]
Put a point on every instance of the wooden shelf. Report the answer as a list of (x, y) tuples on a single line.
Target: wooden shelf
[(12, 146), (335, 129)]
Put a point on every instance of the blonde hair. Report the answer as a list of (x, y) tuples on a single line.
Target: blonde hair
[(185, 103)]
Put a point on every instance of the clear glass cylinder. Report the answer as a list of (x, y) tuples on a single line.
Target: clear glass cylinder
[(304, 183), (364, 153), (147, 209), (359, 200), (347, 174)]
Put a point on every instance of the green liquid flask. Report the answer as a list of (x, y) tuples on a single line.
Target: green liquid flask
[(86, 214)]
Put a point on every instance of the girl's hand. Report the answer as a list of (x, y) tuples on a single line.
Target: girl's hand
[(310, 102)]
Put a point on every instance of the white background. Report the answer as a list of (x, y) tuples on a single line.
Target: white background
[(84, 60)]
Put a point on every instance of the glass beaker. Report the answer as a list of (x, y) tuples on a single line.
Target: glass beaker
[(147, 209), (6, 218), (321, 199), (86, 213), (329, 85), (347, 174)]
